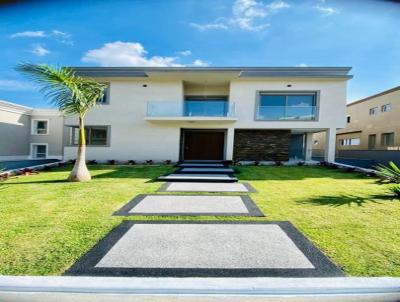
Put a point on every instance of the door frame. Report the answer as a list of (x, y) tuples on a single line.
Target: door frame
[(182, 142)]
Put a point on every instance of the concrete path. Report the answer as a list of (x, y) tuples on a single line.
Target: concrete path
[(206, 187), (198, 177)]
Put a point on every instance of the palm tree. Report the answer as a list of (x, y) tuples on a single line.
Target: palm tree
[(73, 95)]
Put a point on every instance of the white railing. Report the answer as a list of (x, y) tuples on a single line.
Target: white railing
[(190, 108)]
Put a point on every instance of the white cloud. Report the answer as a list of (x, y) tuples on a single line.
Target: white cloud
[(13, 85), (40, 51), (302, 65), (29, 34), (208, 26), (248, 15), (126, 54), (184, 53), (199, 63), (326, 10), (61, 36)]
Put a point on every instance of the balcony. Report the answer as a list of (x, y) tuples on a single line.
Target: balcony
[(218, 111), (287, 113)]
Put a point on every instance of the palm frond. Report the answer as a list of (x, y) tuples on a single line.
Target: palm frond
[(391, 173)]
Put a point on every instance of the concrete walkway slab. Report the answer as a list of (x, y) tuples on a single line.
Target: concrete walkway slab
[(205, 249), (190, 205), (204, 165), (237, 187), (207, 170), (198, 177)]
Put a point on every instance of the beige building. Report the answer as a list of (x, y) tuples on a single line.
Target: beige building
[(372, 125)]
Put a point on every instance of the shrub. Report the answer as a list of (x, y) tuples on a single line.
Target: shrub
[(72, 161), (167, 162), (92, 162), (278, 163), (301, 163), (256, 163), (47, 168), (395, 190), (111, 161), (389, 174), (149, 162), (131, 162), (350, 169)]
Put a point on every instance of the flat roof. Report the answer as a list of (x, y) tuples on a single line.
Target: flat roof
[(240, 72), (375, 96)]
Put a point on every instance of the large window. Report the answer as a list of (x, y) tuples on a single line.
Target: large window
[(206, 106), (39, 150), (40, 127), (387, 139), (95, 135), (349, 142), (302, 106), (386, 108)]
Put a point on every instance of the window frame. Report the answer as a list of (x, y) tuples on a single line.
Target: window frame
[(259, 93), (388, 105), (369, 141), (32, 145), (382, 140), (34, 123), (72, 135), (373, 110)]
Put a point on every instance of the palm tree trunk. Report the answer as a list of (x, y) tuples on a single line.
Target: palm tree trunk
[(80, 171)]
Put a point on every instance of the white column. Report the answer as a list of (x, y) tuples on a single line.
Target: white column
[(330, 145), (229, 143), (308, 146)]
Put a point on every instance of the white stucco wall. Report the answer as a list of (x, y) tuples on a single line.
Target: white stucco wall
[(134, 138)]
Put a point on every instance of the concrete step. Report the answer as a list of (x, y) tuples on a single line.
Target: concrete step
[(201, 165), (198, 177), (223, 170)]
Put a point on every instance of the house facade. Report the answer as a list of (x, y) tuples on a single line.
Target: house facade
[(372, 129), (244, 114), (27, 133)]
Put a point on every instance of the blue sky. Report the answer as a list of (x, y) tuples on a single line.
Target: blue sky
[(363, 34)]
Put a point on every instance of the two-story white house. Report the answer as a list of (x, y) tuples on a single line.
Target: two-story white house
[(211, 113)]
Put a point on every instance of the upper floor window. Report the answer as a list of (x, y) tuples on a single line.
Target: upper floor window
[(386, 108), (206, 106), (373, 111), (283, 106), (106, 97), (348, 119), (95, 135), (387, 139), (40, 127), (349, 142)]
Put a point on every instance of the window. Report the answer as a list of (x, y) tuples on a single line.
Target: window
[(39, 150), (105, 99), (280, 106), (371, 141), (373, 111), (349, 142), (387, 139), (206, 106), (40, 127), (316, 142), (386, 108), (95, 135), (348, 119)]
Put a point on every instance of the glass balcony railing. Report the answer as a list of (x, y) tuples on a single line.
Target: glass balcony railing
[(287, 113), (191, 109)]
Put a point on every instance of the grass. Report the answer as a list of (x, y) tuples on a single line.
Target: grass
[(47, 224)]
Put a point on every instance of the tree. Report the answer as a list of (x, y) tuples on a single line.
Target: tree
[(73, 95)]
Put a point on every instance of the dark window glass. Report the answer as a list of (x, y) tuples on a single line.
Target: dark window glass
[(387, 139), (104, 99), (272, 100), (371, 141), (348, 119), (95, 135)]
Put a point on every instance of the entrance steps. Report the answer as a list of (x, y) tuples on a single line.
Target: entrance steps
[(200, 177), (206, 170)]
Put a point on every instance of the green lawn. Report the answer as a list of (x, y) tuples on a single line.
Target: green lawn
[(46, 223)]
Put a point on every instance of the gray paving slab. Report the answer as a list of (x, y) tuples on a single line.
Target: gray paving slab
[(193, 205), (205, 249), (201, 165), (198, 177), (207, 170), (206, 187), (224, 246)]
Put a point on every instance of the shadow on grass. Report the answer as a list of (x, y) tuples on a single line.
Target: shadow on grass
[(294, 173), (345, 200)]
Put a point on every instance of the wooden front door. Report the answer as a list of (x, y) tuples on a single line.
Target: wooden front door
[(203, 145)]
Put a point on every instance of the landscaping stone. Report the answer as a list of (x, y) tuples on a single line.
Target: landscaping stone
[(206, 187), (194, 205)]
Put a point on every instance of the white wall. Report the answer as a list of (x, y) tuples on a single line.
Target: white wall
[(133, 138)]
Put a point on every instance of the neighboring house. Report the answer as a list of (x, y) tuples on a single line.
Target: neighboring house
[(27, 133), (245, 114), (372, 131)]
